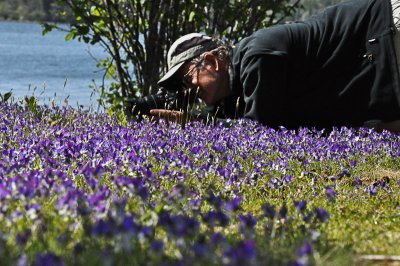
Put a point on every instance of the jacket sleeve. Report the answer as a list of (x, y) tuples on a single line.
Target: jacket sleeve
[(264, 79)]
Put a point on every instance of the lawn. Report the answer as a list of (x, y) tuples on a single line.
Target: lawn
[(85, 188)]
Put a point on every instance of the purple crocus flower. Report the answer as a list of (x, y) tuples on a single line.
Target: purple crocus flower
[(196, 149), (48, 259), (216, 218), (147, 173), (357, 182), (330, 193), (307, 217), (303, 254), (234, 204), (143, 192), (288, 178), (269, 210), (321, 214), (283, 211), (179, 225), (345, 172), (218, 147), (217, 239), (247, 221), (216, 201), (353, 163), (4, 192), (333, 177), (23, 260), (371, 190), (146, 231), (383, 183), (103, 228), (157, 246), (129, 225), (242, 254), (305, 249), (300, 205), (23, 237), (200, 249), (275, 183)]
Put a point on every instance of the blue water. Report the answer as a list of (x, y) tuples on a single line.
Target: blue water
[(32, 64)]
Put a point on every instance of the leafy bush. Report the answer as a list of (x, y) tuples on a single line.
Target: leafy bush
[(136, 34)]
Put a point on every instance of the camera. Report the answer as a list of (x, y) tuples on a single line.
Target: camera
[(163, 99)]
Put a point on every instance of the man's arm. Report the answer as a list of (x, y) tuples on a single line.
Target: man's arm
[(392, 126)]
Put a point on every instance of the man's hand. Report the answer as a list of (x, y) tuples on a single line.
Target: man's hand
[(170, 115)]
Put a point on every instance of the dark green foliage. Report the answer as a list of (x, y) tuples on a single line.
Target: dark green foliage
[(137, 34)]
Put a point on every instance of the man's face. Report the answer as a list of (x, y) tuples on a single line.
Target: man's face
[(208, 77)]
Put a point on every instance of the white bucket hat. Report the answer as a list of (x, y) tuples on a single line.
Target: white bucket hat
[(184, 49)]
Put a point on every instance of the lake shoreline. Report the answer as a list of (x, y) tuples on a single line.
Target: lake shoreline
[(58, 69)]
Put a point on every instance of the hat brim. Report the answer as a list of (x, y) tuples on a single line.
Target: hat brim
[(170, 73)]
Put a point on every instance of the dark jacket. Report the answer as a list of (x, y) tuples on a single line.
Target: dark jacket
[(336, 69)]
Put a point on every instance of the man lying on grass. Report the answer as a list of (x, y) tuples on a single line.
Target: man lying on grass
[(339, 68)]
